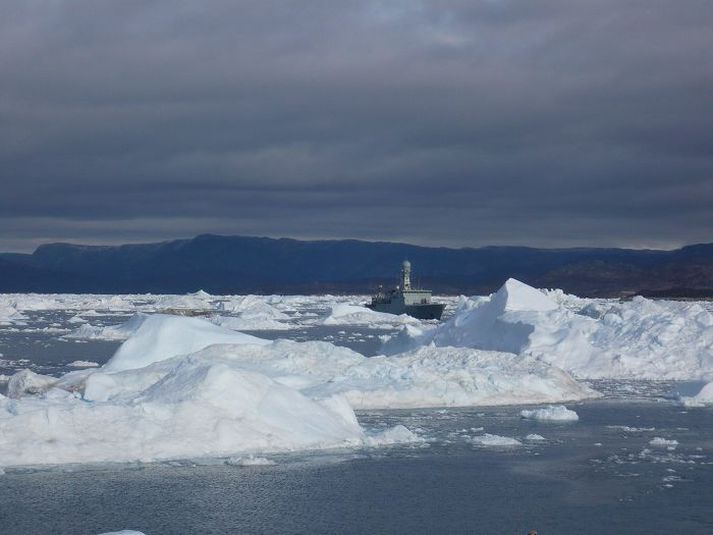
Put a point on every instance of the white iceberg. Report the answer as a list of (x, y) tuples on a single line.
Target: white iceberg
[(640, 339), (182, 388), (553, 413)]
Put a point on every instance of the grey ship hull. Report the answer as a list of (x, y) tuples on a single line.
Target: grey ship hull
[(431, 311)]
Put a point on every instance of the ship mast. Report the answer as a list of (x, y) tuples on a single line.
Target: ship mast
[(406, 275)]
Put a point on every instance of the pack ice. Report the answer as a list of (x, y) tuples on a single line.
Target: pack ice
[(637, 339), (183, 388)]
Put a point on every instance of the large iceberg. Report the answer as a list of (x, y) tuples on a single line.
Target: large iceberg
[(152, 401), (183, 387), (641, 338)]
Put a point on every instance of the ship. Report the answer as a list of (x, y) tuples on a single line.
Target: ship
[(406, 300)]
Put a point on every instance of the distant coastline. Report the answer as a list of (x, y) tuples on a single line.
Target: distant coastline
[(239, 264)]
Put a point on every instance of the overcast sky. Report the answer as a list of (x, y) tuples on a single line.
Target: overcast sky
[(464, 123)]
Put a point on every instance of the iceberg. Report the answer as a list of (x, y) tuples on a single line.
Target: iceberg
[(183, 387), (553, 413), (637, 339)]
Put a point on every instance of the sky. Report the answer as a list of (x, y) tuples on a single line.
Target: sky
[(454, 123)]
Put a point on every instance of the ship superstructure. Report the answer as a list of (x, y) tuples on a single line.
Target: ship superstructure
[(404, 299)]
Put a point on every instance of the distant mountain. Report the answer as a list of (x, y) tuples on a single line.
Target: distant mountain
[(236, 264)]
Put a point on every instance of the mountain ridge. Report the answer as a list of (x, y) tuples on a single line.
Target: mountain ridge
[(246, 264)]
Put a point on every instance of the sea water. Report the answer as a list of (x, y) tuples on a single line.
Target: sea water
[(597, 475), (600, 474)]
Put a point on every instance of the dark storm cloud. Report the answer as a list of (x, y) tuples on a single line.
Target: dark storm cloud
[(458, 123)]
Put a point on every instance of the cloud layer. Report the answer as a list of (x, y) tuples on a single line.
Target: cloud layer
[(547, 123)]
